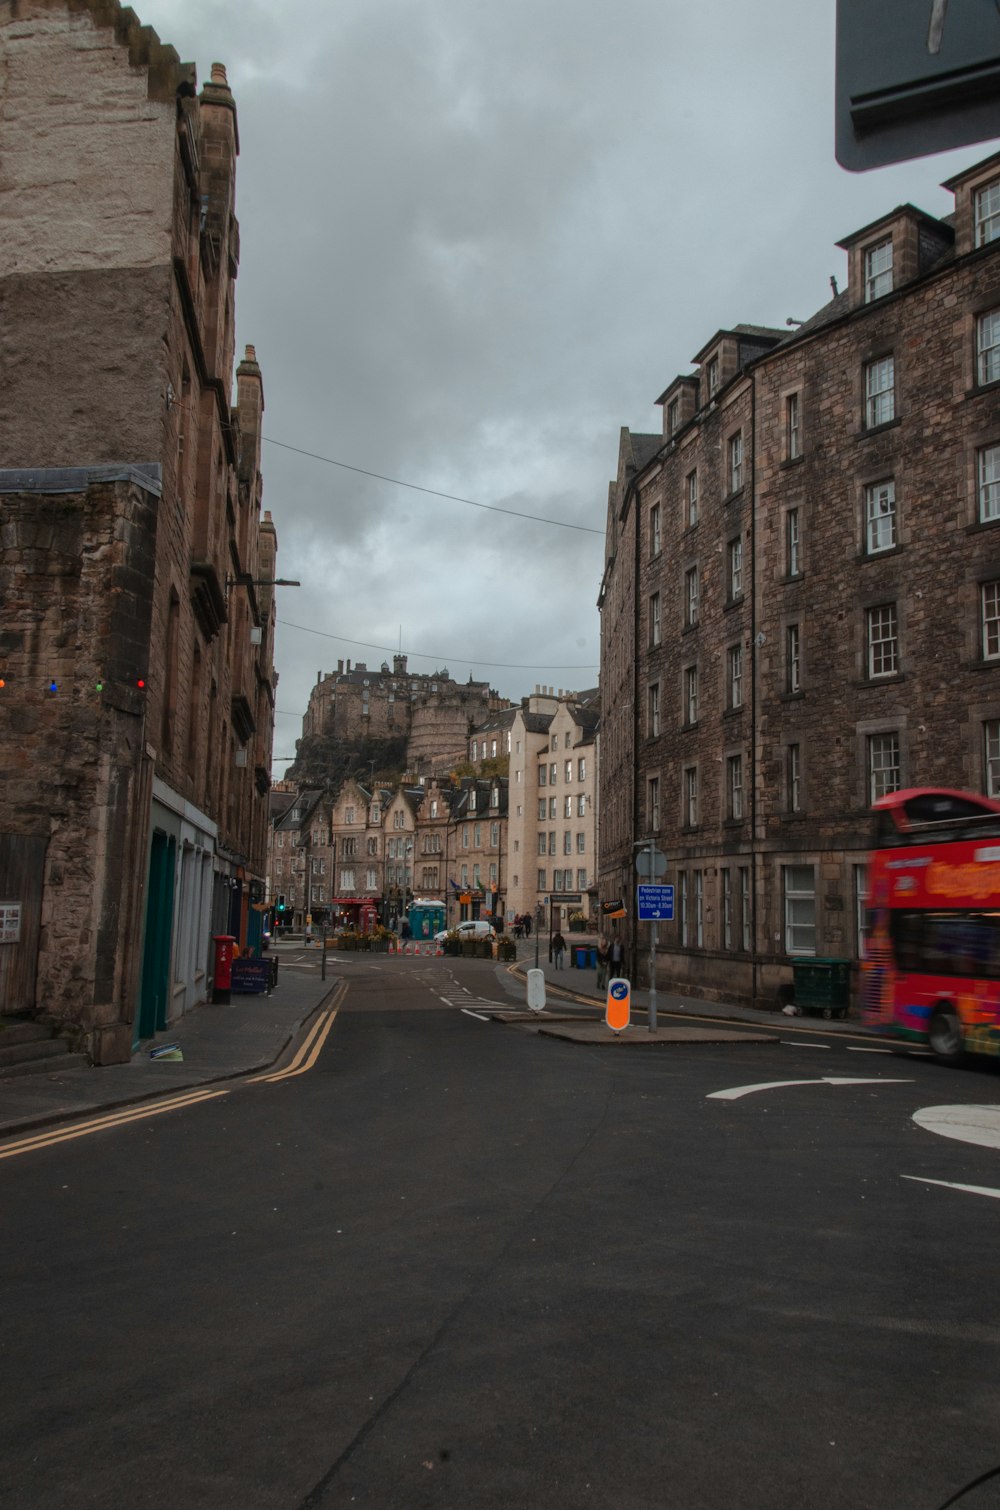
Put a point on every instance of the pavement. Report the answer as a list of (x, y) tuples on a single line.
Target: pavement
[(218, 1042), (251, 1033), (581, 985)]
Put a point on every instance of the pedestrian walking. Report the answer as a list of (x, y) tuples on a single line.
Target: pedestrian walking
[(603, 962), (617, 955), (558, 949)]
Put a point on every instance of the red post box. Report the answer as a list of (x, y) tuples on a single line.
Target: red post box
[(222, 975)]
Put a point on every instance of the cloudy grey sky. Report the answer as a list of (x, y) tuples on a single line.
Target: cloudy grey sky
[(477, 238)]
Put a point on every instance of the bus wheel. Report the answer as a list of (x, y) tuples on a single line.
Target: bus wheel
[(945, 1035)]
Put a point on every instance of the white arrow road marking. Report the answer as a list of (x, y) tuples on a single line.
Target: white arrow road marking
[(774, 1085), (969, 1124), (951, 1185), (468, 1012)]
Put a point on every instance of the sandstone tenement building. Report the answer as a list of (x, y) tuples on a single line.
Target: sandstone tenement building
[(801, 599), (136, 573)]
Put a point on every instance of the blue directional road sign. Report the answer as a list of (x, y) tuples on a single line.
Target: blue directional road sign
[(656, 904)]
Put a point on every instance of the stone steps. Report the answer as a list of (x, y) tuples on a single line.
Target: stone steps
[(30, 1048)]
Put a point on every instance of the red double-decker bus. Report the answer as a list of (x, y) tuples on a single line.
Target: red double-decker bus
[(931, 970)]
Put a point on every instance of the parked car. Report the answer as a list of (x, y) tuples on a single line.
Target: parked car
[(476, 928)]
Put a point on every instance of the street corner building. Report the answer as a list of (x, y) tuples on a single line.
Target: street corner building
[(800, 607), (136, 572)]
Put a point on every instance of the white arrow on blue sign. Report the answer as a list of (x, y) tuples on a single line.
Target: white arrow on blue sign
[(655, 904)]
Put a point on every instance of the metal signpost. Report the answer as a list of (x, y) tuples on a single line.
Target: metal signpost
[(651, 865), (655, 904)]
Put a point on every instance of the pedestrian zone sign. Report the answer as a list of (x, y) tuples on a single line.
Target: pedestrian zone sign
[(656, 904)]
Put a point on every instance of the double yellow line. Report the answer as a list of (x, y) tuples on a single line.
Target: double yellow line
[(113, 1119), (304, 1060), (310, 1050)]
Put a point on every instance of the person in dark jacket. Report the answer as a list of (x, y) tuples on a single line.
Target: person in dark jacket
[(558, 949)]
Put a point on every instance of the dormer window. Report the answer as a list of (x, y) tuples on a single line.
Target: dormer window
[(712, 377), (878, 270), (673, 415), (988, 213), (472, 800)]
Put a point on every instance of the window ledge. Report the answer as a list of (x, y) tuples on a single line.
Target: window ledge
[(983, 665), (732, 603), (982, 388), (979, 525), (866, 432), (790, 580), (791, 697), (735, 494), (690, 628), (799, 817), (732, 713), (883, 681), (689, 828), (730, 823), (791, 461), (863, 557)]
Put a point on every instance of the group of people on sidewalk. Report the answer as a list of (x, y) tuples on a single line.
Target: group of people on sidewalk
[(610, 956)]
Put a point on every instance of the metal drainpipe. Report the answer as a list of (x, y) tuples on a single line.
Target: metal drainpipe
[(754, 651)]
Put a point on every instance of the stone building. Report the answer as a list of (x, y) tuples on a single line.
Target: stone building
[(136, 647), (825, 626), (552, 829), (476, 845), (431, 711)]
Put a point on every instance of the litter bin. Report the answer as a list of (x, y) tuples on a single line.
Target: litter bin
[(581, 955), (592, 957), (822, 985)]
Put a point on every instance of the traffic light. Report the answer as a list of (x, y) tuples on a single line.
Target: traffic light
[(279, 905)]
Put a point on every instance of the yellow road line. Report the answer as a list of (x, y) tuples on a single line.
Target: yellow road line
[(100, 1124), (314, 1046)]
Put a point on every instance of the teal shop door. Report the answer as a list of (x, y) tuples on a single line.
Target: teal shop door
[(154, 988)]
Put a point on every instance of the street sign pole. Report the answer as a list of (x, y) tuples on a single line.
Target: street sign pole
[(652, 977)]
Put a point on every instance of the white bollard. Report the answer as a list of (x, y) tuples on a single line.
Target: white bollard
[(536, 990)]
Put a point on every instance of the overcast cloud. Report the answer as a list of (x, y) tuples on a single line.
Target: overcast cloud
[(478, 238)]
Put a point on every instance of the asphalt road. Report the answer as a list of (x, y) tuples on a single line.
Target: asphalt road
[(458, 1265)]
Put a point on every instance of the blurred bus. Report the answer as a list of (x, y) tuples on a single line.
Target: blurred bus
[(930, 973)]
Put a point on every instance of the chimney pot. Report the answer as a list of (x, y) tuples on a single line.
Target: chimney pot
[(219, 74)]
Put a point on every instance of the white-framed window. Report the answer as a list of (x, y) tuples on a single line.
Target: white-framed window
[(347, 881), (654, 619), (734, 658), (543, 844), (477, 876), (793, 427), (880, 517), (553, 772), (736, 567), (793, 781), (691, 595), (712, 374), (988, 212), (348, 815), (281, 841), (541, 880), (581, 805), (567, 842), (555, 742), (553, 808), (799, 890), (653, 710), (581, 843), (465, 836), (878, 270), (472, 801), (569, 771), (655, 540), (988, 470), (734, 786), (581, 880), (690, 796), (990, 600), (477, 836), (692, 498), (988, 346), (372, 880), (541, 809), (793, 543), (682, 887), (673, 416), (991, 756), (880, 392), (736, 462), (653, 804), (699, 909), (745, 913), (691, 695), (542, 775), (883, 640), (566, 739), (552, 842), (884, 774), (568, 805), (465, 876), (793, 664), (581, 768), (861, 929), (475, 749), (727, 908)]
